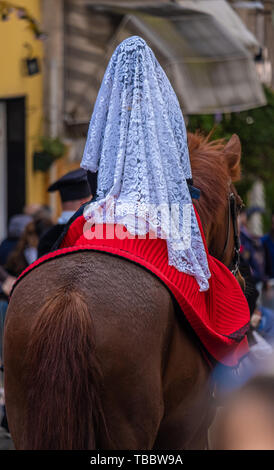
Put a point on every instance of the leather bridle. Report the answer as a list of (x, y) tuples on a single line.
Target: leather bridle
[(232, 222)]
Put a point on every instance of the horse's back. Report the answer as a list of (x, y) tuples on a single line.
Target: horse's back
[(132, 315)]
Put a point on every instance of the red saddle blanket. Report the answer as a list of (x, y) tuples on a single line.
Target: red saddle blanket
[(219, 317)]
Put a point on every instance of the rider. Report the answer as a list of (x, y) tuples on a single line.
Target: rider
[(75, 188)]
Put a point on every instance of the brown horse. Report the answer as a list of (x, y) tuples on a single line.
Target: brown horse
[(96, 354)]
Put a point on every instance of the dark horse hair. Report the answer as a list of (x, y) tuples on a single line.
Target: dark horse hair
[(62, 344)]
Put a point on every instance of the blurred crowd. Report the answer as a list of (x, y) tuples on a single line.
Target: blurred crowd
[(257, 267), (20, 248), (245, 395)]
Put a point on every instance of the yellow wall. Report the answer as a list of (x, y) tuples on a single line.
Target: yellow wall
[(14, 33)]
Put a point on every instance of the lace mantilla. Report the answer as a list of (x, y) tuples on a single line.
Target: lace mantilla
[(137, 141)]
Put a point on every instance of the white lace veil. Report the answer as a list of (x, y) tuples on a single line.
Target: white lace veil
[(138, 143)]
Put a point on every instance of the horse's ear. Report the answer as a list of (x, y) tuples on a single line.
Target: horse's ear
[(233, 151)]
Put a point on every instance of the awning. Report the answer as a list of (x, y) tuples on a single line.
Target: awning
[(248, 5), (209, 68), (225, 15), (220, 9)]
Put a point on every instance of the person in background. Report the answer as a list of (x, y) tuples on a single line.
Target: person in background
[(75, 188), (268, 245), (32, 209), (23, 254), (19, 250), (26, 251), (263, 318), (246, 420), (16, 228), (8, 246), (251, 248), (41, 211), (6, 282)]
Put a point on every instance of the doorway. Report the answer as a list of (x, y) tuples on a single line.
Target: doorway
[(12, 160)]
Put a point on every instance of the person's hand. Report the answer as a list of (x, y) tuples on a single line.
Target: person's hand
[(8, 285), (256, 318)]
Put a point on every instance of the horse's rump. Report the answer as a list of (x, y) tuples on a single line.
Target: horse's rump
[(64, 351)]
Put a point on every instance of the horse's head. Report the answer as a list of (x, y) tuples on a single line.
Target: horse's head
[(215, 167)]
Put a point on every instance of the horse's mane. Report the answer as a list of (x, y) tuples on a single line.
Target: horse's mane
[(210, 174)]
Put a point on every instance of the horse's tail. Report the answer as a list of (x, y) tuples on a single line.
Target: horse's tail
[(63, 405)]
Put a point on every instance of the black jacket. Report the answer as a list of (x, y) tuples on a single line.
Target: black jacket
[(49, 238), (52, 239)]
